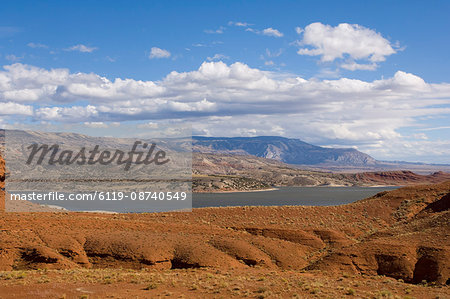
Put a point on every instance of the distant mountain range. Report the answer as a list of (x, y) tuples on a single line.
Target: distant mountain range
[(287, 150), (308, 156), (229, 164), (295, 152)]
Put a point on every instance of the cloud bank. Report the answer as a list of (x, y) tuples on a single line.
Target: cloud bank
[(232, 100)]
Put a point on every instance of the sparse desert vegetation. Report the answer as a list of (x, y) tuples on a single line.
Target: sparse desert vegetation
[(207, 283), (220, 172), (393, 245)]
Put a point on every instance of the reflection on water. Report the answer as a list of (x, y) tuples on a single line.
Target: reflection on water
[(288, 196)]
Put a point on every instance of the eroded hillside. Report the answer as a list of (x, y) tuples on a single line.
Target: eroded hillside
[(401, 234), (403, 228), (214, 172)]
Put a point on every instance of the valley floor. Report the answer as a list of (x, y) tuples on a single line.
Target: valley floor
[(206, 283)]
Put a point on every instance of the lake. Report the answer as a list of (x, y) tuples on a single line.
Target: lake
[(283, 196), (288, 196)]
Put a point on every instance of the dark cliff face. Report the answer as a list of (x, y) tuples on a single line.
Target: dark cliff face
[(292, 151), (2, 169)]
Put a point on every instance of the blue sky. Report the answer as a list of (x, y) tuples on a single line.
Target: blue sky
[(266, 67), (126, 33)]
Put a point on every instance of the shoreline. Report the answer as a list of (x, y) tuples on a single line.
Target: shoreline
[(237, 191), (311, 186)]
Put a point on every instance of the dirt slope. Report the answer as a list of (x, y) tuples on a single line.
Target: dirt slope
[(215, 172), (414, 248), (404, 227), (400, 178)]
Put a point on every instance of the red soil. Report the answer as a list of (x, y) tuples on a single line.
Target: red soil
[(403, 227), (400, 178), (403, 234)]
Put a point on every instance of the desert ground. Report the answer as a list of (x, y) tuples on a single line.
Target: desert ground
[(393, 245)]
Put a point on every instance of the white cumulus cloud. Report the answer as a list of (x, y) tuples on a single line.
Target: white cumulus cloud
[(272, 32), (346, 40), (10, 108), (156, 52)]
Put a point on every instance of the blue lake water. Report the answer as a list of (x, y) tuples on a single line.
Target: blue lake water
[(287, 196), (284, 196)]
